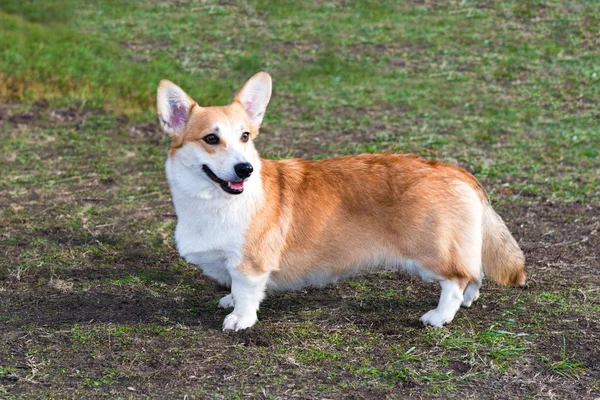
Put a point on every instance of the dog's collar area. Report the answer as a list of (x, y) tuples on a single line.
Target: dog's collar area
[(230, 187)]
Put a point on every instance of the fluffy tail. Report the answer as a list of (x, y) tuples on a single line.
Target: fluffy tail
[(503, 260)]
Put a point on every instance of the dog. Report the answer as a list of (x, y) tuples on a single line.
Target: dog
[(258, 225)]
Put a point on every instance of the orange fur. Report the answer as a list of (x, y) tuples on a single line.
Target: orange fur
[(202, 121), (335, 214), (503, 260)]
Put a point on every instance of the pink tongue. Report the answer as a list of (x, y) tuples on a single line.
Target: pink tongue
[(236, 185)]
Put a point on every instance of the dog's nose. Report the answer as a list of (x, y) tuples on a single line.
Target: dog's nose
[(243, 170)]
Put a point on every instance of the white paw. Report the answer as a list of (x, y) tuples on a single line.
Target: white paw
[(226, 302), (236, 323), (469, 297), (467, 303), (468, 300), (435, 318)]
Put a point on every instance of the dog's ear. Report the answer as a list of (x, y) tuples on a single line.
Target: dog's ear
[(255, 96), (173, 106)]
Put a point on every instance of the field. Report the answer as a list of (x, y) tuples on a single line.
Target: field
[(94, 299)]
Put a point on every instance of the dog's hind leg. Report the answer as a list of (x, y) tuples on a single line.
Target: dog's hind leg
[(450, 301), (472, 292)]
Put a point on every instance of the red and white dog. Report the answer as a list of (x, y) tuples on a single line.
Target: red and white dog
[(258, 225)]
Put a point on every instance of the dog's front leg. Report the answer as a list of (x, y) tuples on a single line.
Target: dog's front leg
[(247, 291), (226, 301)]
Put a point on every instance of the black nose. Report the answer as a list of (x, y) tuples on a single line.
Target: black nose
[(243, 170)]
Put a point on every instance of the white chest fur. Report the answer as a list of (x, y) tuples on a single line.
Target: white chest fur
[(211, 223)]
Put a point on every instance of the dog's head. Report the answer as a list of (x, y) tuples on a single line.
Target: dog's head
[(215, 143)]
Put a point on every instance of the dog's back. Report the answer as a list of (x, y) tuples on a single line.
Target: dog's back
[(334, 217)]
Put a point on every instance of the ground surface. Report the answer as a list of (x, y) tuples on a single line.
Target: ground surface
[(94, 300)]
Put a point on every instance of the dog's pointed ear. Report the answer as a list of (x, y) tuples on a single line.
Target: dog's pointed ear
[(255, 96), (173, 106)]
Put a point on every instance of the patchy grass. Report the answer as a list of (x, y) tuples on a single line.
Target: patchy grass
[(565, 366), (94, 300), (512, 81)]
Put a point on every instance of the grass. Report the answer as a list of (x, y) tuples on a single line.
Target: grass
[(94, 299), (516, 79), (566, 366)]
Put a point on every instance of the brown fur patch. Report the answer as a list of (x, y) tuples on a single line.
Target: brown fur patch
[(202, 121)]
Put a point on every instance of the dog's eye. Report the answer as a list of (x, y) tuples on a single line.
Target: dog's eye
[(245, 136), (211, 139)]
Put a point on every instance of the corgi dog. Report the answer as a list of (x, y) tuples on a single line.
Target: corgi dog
[(258, 225)]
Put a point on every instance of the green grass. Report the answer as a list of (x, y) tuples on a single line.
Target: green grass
[(95, 298), (565, 366), (515, 80)]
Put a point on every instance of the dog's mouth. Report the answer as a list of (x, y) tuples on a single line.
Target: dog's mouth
[(232, 187)]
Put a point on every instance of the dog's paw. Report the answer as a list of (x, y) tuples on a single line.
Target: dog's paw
[(470, 295), (468, 300), (435, 318), (467, 303), (226, 302), (234, 322)]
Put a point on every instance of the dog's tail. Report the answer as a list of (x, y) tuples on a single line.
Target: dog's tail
[(503, 260)]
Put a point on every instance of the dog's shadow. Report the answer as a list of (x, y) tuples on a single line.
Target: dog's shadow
[(139, 287), (158, 300)]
